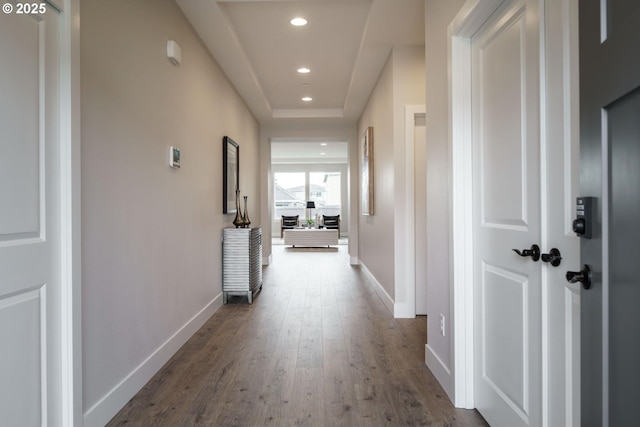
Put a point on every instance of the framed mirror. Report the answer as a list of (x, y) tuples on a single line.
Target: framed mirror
[(230, 174)]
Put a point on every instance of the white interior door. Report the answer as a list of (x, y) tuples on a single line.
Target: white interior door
[(30, 325), (506, 191)]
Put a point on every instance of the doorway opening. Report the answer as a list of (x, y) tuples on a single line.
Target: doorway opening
[(309, 187)]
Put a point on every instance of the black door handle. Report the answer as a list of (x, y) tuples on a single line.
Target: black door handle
[(552, 257), (583, 276), (533, 252)]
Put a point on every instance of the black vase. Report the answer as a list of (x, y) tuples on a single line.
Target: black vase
[(245, 218), (238, 221)]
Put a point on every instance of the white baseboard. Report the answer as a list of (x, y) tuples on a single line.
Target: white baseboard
[(100, 413), (439, 370), (404, 311), (382, 293), (354, 260), (266, 260)]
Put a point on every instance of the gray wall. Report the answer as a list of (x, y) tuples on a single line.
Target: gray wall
[(438, 16), (150, 234), (381, 240), (375, 232)]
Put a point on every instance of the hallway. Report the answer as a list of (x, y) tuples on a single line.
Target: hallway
[(317, 348)]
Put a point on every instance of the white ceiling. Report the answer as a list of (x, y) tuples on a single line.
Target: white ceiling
[(309, 151), (345, 44)]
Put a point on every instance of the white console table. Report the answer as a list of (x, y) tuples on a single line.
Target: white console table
[(312, 237), (241, 262)]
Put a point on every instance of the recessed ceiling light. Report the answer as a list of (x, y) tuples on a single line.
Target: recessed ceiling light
[(304, 70), (324, 144), (307, 99), (323, 154), (298, 22)]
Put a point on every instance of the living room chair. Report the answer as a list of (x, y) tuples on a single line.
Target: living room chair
[(331, 222), (288, 223)]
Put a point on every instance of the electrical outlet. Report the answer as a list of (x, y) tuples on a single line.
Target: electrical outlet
[(442, 324)]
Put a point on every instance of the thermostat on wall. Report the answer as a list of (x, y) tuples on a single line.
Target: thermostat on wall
[(174, 157), (174, 53)]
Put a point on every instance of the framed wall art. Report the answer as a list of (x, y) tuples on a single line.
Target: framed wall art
[(230, 174), (366, 172)]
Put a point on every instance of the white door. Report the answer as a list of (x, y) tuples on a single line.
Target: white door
[(506, 188), (30, 325)]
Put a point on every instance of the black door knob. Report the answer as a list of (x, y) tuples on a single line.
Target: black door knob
[(579, 226), (533, 252), (583, 276), (553, 257)]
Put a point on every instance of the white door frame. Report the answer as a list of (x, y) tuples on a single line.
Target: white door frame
[(406, 261), (469, 20), (70, 227), (411, 114)]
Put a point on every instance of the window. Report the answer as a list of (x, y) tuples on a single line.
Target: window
[(292, 190), (324, 189), (289, 194)]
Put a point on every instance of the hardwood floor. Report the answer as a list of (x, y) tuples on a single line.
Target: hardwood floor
[(316, 348)]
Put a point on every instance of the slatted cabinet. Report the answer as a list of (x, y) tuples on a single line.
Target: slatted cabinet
[(241, 262)]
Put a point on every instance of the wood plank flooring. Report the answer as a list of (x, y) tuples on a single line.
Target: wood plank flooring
[(316, 348)]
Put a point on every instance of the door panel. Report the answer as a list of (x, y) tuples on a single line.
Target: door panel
[(30, 319), (19, 177), (624, 286), (23, 382), (505, 96), (503, 155), (610, 161), (504, 296), (618, 13)]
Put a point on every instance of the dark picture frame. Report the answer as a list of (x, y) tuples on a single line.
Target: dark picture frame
[(366, 172), (230, 174)]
